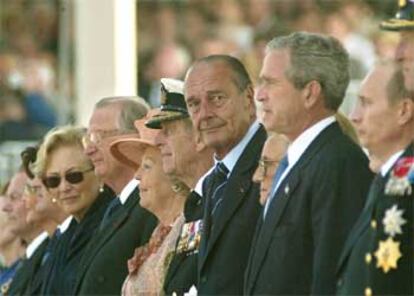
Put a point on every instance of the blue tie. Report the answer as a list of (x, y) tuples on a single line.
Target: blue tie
[(283, 165), (213, 187)]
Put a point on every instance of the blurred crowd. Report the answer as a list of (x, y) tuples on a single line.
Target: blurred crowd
[(236, 173), (28, 54), (188, 30)]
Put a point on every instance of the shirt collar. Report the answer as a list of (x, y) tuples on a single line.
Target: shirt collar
[(128, 189), (301, 143), (386, 167), (233, 156), (32, 247), (65, 224)]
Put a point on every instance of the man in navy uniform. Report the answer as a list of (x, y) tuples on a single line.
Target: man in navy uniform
[(187, 159)]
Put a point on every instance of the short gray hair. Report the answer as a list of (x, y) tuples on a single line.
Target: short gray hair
[(315, 57), (132, 108)]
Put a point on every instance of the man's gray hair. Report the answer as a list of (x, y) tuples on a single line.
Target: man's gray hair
[(315, 57), (132, 108)]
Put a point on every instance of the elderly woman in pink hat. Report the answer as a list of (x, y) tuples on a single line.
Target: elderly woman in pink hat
[(160, 195)]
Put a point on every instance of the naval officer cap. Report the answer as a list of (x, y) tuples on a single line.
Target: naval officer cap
[(173, 106), (403, 19)]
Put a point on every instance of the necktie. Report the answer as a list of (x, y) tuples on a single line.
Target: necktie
[(213, 187), (283, 165), (113, 206), (217, 186)]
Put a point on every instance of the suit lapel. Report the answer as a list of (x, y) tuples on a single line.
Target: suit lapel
[(282, 197), (238, 185)]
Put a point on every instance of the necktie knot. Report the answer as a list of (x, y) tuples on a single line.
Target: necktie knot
[(221, 170)]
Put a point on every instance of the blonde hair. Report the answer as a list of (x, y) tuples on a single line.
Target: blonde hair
[(60, 136), (346, 127)]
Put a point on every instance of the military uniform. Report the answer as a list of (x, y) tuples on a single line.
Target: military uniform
[(182, 271), (378, 256)]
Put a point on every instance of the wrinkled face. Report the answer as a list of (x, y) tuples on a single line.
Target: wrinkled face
[(374, 117), (15, 206), (273, 150), (103, 126), (74, 198), (177, 146), (155, 186), (405, 56), (39, 206), (281, 104), (220, 111)]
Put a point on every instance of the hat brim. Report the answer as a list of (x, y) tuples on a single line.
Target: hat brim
[(397, 25), (163, 116), (129, 151)]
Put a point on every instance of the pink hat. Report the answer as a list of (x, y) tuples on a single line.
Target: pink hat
[(129, 151)]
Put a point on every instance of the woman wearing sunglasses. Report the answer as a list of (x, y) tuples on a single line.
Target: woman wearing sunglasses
[(148, 266), (68, 175)]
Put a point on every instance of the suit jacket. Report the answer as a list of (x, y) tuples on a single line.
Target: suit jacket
[(63, 269), (103, 267), (297, 245), (22, 278), (221, 268), (182, 272), (359, 270)]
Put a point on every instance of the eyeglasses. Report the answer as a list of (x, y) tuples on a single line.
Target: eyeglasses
[(98, 136), (264, 165), (72, 177)]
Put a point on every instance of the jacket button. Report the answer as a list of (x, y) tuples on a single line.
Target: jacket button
[(203, 279), (368, 258), (368, 291), (340, 282), (373, 224), (101, 279)]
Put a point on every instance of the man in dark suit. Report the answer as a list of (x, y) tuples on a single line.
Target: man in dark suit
[(378, 256), (125, 224), (320, 185), (30, 233), (187, 159), (220, 99)]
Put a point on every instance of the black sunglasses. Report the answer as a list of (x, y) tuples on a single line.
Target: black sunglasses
[(72, 177)]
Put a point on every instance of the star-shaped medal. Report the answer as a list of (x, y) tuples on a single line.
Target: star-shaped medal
[(388, 254), (393, 221)]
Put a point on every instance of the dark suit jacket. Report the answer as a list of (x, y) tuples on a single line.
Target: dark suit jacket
[(22, 279), (63, 269), (357, 269), (221, 268), (297, 246), (182, 272), (103, 267)]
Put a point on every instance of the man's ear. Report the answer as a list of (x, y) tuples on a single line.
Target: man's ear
[(311, 94), (405, 111)]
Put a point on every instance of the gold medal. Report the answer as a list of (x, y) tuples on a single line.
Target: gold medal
[(388, 254)]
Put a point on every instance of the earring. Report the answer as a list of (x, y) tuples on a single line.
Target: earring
[(101, 188)]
